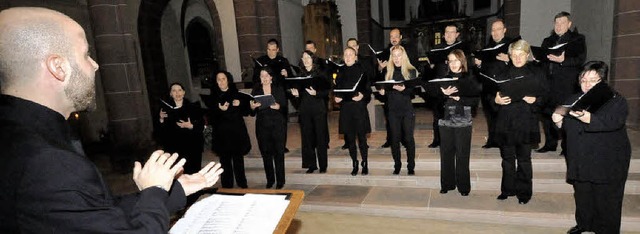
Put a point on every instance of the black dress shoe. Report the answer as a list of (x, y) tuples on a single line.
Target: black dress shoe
[(269, 185), (345, 146), (310, 170), (489, 145), (576, 230), (243, 186), (322, 171), (385, 145), (523, 200), (443, 191), (503, 196), (545, 149), (563, 153), (411, 172), (464, 194), (434, 145), (286, 150), (396, 171), (279, 186)]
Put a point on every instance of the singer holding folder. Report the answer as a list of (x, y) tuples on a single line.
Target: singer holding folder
[(313, 114), (354, 117), (270, 127), (231, 141), (402, 117), (522, 86), (455, 126), (562, 73), (598, 155)]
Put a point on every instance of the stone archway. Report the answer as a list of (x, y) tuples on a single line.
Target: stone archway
[(203, 58)]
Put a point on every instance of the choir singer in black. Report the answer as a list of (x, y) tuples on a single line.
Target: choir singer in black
[(402, 117), (598, 155), (455, 126), (519, 100), (354, 117), (313, 113), (230, 138), (270, 127)]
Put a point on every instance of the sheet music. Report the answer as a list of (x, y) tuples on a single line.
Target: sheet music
[(495, 47), (251, 213), (446, 48), (558, 46)]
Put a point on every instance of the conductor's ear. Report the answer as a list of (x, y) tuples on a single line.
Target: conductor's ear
[(55, 66)]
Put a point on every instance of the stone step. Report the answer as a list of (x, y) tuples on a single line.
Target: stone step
[(544, 209), (541, 163), (553, 182)]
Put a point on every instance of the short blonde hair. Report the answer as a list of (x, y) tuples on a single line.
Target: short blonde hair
[(520, 45)]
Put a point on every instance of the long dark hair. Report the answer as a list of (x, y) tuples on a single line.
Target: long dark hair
[(314, 66)]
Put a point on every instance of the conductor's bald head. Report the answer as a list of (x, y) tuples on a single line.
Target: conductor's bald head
[(44, 58), (27, 36)]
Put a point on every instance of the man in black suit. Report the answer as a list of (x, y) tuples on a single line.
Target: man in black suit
[(489, 88), (280, 65), (48, 184), (562, 74)]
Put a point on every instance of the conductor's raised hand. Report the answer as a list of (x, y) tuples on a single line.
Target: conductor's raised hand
[(158, 171), (204, 178), (358, 97)]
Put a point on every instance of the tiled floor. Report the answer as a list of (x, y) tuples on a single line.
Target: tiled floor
[(411, 201)]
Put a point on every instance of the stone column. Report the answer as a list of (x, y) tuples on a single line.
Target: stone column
[(122, 77), (363, 16), (625, 56), (512, 17), (257, 22)]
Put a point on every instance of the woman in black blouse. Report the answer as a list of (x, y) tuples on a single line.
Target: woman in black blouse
[(313, 114), (519, 102), (231, 140), (181, 128), (455, 126), (270, 127), (354, 117), (598, 154), (402, 117)]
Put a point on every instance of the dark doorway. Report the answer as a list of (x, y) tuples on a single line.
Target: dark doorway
[(202, 57)]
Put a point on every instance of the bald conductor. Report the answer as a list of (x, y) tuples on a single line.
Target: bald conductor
[(48, 185)]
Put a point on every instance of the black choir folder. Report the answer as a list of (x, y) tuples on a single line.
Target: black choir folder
[(388, 84), (489, 54), (540, 53), (299, 82), (265, 100), (348, 92), (440, 55), (515, 88), (382, 55), (593, 99)]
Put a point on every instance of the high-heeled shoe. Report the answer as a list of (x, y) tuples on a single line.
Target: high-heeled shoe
[(365, 167), (354, 172)]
